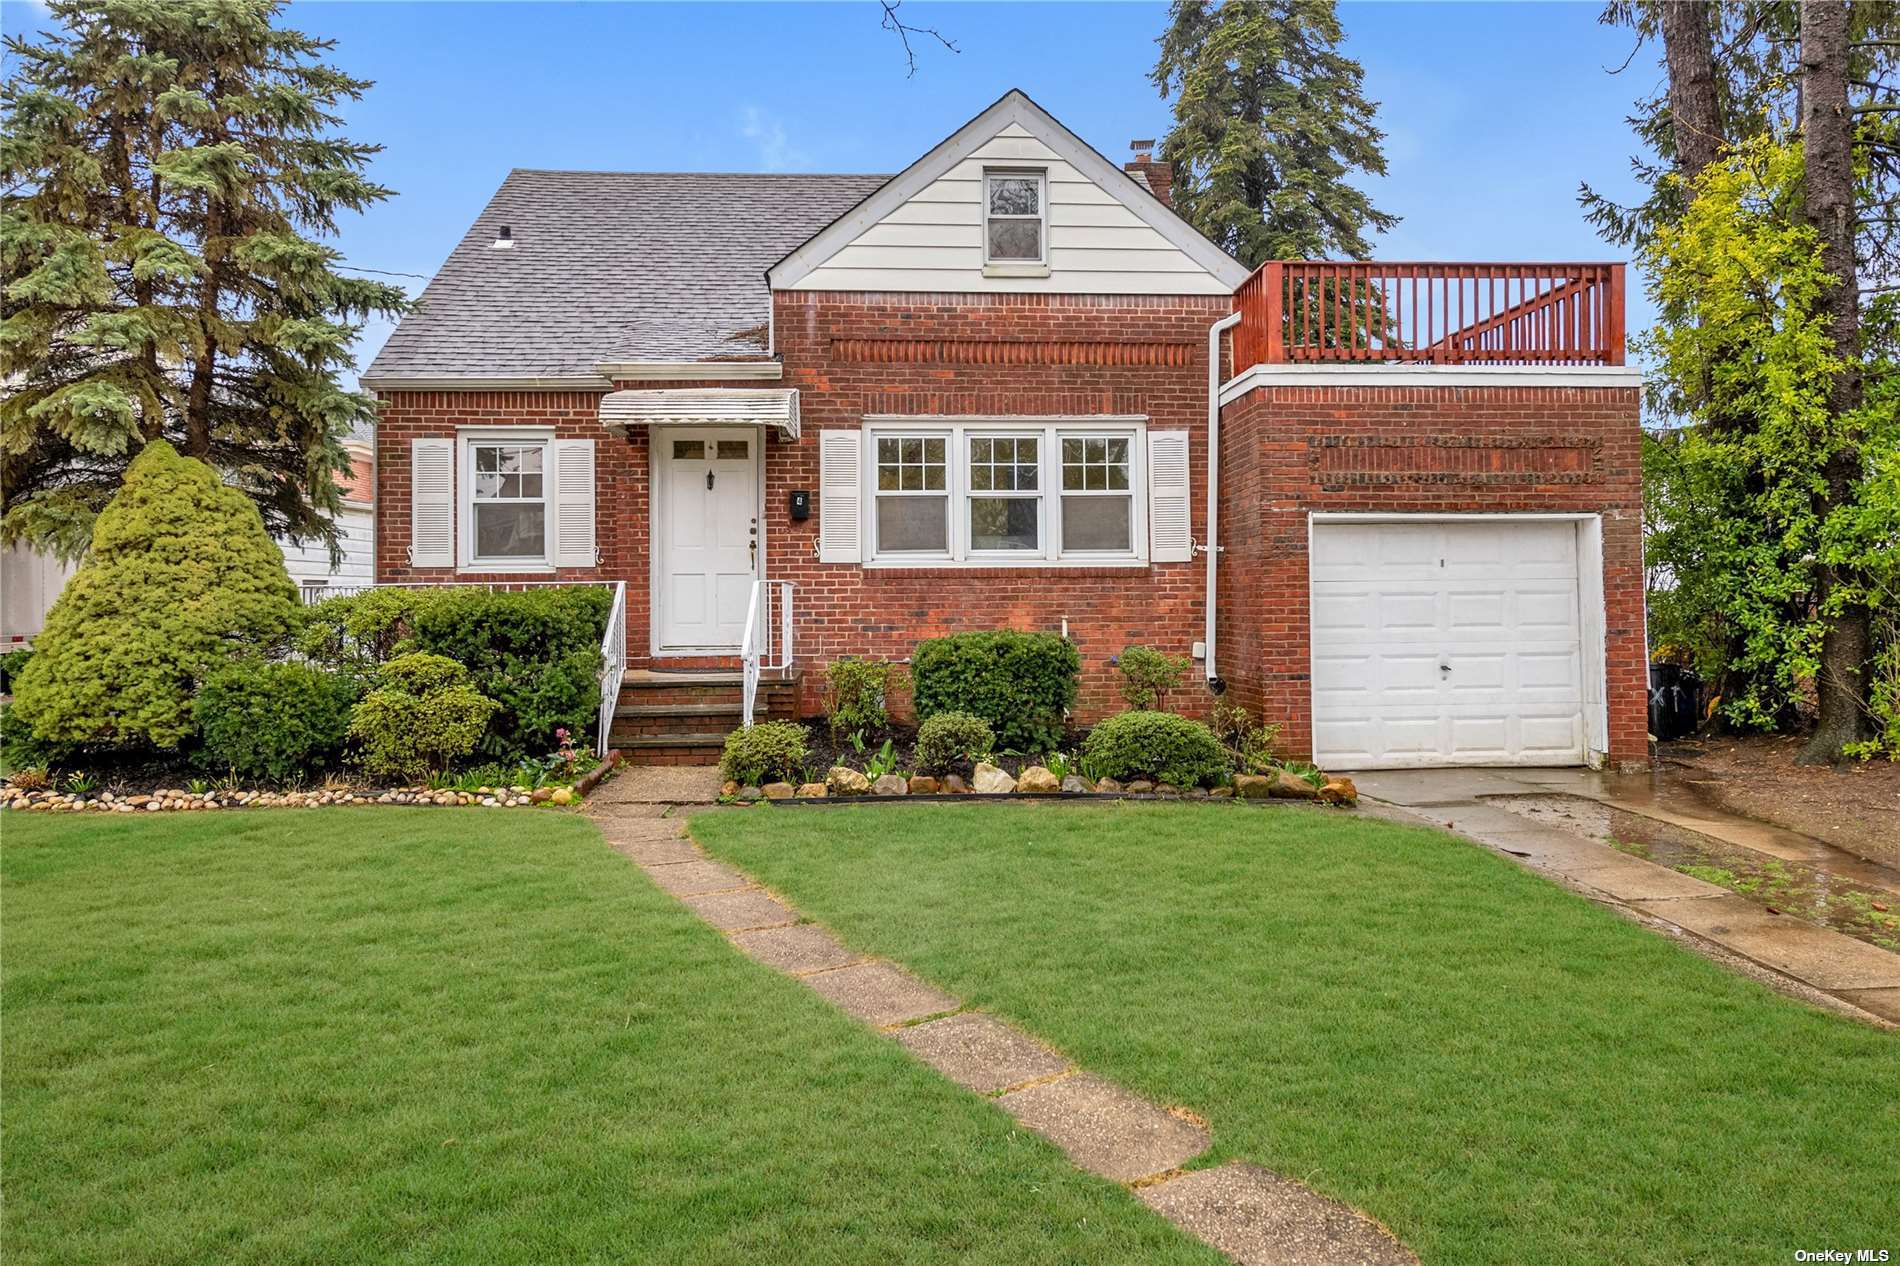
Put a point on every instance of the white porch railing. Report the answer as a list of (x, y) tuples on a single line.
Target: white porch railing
[(767, 645), (613, 665), (613, 643)]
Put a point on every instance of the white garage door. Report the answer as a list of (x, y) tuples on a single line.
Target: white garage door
[(1442, 643)]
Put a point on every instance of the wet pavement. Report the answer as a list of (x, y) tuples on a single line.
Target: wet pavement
[(1818, 918)]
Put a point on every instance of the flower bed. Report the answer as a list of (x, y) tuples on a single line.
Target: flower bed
[(181, 800), (992, 781)]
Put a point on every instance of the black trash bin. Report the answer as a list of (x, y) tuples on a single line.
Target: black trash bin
[(1675, 701)]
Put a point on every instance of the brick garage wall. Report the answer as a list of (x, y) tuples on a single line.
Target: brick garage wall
[(852, 354), (1289, 450)]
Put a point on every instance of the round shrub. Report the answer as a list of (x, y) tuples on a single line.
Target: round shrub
[(181, 580), (1157, 745), (424, 716), (767, 751), (952, 738), (1022, 684), (280, 722), (855, 692)]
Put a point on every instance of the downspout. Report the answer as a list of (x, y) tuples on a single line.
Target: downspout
[(1212, 547)]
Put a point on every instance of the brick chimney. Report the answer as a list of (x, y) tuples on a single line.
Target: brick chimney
[(1159, 175)]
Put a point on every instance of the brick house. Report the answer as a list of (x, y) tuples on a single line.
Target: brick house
[(797, 417)]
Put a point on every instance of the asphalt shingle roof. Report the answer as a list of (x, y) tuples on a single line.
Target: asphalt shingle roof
[(613, 266)]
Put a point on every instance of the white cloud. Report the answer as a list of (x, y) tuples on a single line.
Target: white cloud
[(767, 134)]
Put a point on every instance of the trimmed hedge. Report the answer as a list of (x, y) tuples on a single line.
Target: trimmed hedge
[(951, 738), (1021, 684), (1157, 745), (768, 751), (422, 718), (281, 722), (534, 652)]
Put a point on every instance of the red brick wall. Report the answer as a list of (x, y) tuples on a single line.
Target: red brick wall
[(1289, 450), (856, 354)]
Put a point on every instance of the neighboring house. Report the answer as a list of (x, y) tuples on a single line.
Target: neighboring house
[(977, 394), (29, 581)]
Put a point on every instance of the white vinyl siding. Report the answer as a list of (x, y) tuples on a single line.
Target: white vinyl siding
[(1094, 244), (309, 561)]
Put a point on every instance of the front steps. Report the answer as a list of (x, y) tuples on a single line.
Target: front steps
[(683, 718)]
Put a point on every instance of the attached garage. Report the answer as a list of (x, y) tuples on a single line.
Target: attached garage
[(1456, 640)]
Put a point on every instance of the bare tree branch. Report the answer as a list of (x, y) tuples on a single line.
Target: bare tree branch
[(904, 30)]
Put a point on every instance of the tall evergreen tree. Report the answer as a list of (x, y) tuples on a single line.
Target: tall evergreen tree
[(1270, 124), (170, 168)]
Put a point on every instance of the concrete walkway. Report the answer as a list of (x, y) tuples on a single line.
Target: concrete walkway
[(1814, 962), (1252, 1215)]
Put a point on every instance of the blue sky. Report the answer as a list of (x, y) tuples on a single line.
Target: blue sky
[(1493, 112)]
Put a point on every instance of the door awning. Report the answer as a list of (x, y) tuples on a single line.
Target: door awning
[(703, 406)]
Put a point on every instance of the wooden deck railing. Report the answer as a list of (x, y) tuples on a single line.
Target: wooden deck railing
[(1300, 311)]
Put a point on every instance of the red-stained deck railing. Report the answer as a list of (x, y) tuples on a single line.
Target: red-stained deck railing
[(1303, 311)]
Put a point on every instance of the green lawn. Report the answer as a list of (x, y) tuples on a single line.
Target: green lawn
[(385, 1035), (1497, 1069)]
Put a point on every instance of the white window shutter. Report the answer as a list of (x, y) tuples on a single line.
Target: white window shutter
[(840, 497), (1170, 529), (574, 503), (432, 503)]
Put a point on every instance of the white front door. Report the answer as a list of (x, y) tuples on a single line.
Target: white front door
[(1446, 643), (706, 539)]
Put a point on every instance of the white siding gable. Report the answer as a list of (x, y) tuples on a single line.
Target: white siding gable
[(924, 231)]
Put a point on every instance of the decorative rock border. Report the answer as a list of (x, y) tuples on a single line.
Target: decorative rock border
[(180, 800), (846, 784)]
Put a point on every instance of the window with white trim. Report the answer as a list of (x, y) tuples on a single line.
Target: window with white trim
[(506, 493), (1015, 216), (989, 493)]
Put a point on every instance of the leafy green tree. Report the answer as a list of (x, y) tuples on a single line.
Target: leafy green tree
[(1759, 545), (170, 169), (181, 579), (1270, 125)]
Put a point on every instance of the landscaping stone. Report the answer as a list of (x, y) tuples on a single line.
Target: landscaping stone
[(924, 785), (1140, 787), (689, 879), (1166, 789), (991, 781), (797, 949), (748, 792), (1104, 1129), (1196, 793), (729, 788), (814, 790), (955, 785), (880, 994), (890, 785), (980, 1053), (1290, 786), (846, 782), (1221, 793), (777, 791), (1075, 784), (1339, 791), (746, 908), (1261, 1219), (1038, 781), (1109, 786)]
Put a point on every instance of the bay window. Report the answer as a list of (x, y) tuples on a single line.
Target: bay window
[(1005, 493)]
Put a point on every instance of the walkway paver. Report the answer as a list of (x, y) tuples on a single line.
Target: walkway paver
[(689, 879), (981, 1053), (1884, 1003), (746, 908), (880, 994), (1261, 1219), (798, 949), (1106, 1130), (1250, 1214)]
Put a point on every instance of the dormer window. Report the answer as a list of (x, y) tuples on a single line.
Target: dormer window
[(1015, 220)]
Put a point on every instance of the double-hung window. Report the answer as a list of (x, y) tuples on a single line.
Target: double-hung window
[(506, 503), (1015, 217), (983, 493)]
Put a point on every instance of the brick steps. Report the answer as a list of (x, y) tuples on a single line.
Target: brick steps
[(683, 718)]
